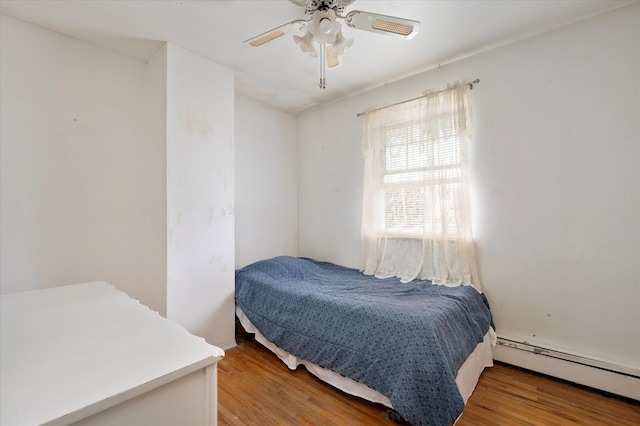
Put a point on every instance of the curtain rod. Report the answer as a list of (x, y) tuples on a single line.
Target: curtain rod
[(476, 81)]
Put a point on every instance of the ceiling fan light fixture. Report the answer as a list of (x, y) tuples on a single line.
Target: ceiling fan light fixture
[(341, 44), (324, 27), (306, 44)]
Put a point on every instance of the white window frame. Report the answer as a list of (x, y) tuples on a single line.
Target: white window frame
[(420, 181)]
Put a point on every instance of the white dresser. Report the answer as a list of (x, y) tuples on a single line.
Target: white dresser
[(88, 354)]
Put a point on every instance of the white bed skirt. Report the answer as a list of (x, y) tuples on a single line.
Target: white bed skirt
[(467, 377)]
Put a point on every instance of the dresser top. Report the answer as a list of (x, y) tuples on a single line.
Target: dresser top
[(69, 352)]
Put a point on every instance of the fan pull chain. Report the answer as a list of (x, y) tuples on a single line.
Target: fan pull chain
[(323, 58)]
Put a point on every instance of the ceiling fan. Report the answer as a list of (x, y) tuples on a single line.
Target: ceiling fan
[(324, 29)]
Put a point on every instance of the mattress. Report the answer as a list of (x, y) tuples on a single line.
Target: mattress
[(466, 380)]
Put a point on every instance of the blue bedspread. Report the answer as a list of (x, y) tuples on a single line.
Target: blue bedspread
[(407, 341)]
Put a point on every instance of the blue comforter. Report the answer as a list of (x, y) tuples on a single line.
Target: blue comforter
[(407, 341)]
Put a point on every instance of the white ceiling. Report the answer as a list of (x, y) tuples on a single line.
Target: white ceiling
[(278, 73)]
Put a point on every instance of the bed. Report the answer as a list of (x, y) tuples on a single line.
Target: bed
[(417, 348)]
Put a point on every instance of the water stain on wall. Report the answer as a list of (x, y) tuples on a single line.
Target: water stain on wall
[(199, 126)]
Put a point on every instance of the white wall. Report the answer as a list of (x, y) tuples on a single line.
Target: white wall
[(156, 178), (118, 171), (556, 184), (266, 182), (72, 171), (200, 196)]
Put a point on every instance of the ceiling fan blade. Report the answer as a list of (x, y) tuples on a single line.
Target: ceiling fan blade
[(333, 60), (382, 24), (278, 32)]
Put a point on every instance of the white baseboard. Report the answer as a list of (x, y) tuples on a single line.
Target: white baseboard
[(228, 345), (608, 381)]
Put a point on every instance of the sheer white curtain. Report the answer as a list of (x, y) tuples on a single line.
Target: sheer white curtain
[(416, 220)]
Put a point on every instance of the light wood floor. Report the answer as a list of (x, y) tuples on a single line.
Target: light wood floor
[(256, 388)]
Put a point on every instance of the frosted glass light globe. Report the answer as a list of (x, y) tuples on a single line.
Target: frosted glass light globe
[(325, 26)]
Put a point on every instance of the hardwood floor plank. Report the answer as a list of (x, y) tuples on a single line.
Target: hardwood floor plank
[(256, 388)]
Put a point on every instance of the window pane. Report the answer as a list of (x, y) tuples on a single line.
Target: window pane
[(404, 209), (422, 173)]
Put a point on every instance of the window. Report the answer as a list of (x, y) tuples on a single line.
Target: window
[(416, 218), (421, 176)]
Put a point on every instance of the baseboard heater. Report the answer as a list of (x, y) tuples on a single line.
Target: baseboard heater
[(577, 359)]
